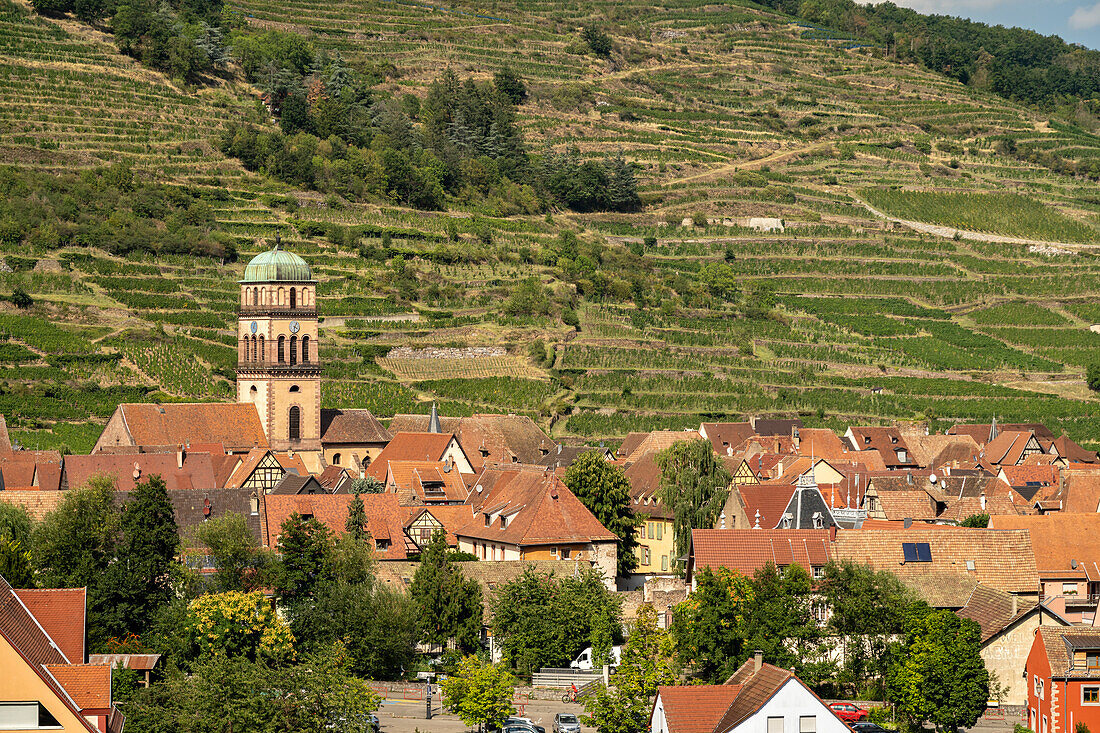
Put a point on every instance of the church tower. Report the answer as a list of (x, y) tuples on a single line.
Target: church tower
[(278, 364)]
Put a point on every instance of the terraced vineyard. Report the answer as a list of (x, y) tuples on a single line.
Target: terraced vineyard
[(684, 311)]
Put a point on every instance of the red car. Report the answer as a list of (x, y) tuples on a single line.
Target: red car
[(848, 712)]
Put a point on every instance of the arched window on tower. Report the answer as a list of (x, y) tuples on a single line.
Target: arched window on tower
[(282, 340), (336, 459), (255, 353), (280, 299), (305, 349), (263, 349), (255, 296), (293, 427), (293, 349), (293, 298), (252, 392)]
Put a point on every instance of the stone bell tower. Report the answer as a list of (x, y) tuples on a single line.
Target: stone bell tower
[(278, 364)]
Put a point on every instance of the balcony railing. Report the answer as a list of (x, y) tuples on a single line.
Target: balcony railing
[(267, 365), (1083, 599), (276, 310)]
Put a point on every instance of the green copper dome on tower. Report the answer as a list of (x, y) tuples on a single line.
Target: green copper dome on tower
[(277, 265)]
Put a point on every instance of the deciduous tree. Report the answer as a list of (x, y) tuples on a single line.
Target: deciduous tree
[(241, 563), (939, 676), (605, 491), (694, 486), (710, 626), (480, 693), (235, 624), (305, 546), (648, 662)]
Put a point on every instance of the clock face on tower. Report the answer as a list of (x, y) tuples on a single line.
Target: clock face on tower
[(294, 327)]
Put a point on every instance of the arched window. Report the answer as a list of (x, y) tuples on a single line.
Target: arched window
[(255, 353), (282, 340), (293, 349), (252, 392), (293, 429), (280, 301), (305, 349), (263, 349), (336, 459), (293, 298), (255, 296), (294, 388)]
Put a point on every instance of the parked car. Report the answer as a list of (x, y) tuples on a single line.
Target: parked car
[(515, 720), (867, 727), (848, 712), (519, 728), (566, 723)]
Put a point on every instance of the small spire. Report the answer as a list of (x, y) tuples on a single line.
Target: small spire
[(278, 242), (433, 422)]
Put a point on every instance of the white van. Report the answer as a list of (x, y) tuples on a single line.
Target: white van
[(583, 661)]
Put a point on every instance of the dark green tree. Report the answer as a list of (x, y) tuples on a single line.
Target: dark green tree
[(710, 626), (543, 621), (241, 563), (449, 603), (694, 486), (356, 524), (1092, 376), (598, 42), (939, 677), (604, 489), (20, 299), (509, 85), (15, 557), (305, 548), (868, 611), (139, 581), (73, 545), (975, 520), (781, 623)]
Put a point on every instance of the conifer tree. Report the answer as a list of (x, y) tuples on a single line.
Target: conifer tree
[(605, 490), (449, 603), (356, 524)]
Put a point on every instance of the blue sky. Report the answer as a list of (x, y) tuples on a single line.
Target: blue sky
[(1076, 21)]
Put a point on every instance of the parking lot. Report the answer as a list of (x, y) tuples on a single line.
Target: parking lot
[(407, 716)]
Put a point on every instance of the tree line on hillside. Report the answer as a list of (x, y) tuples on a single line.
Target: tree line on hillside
[(108, 208), (461, 143), (1012, 62)]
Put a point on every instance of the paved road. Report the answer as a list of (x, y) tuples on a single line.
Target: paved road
[(401, 716)]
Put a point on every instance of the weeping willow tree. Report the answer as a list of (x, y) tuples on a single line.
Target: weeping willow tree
[(694, 486)]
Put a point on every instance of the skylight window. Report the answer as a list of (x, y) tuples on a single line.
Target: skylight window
[(916, 551)]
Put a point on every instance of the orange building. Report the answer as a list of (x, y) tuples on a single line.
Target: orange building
[(1063, 674)]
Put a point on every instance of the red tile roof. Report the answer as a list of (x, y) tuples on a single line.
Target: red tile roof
[(747, 550), (765, 502), (488, 438), (385, 518), (696, 708), (1003, 559), (1007, 448), (197, 471), (89, 685), (351, 426), (20, 629), (757, 687), (886, 441), (540, 510), (244, 468), (407, 479), (37, 503), (727, 437), (822, 443), (1060, 541), (407, 446), (452, 518), (61, 612), (236, 426)]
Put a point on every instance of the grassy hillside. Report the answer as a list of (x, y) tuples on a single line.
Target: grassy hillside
[(728, 112)]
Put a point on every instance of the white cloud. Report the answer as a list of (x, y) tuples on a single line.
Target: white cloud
[(1084, 17)]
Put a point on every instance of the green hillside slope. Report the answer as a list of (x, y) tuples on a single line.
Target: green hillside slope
[(727, 113)]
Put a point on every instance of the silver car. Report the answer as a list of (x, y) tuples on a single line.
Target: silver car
[(566, 723)]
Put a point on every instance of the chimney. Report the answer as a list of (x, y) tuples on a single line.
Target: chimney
[(757, 660), (179, 456), (796, 439), (832, 533)]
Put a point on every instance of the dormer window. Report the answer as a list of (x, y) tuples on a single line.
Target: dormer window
[(894, 439), (902, 455), (488, 520), (503, 522), (484, 452), (867, 440)]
